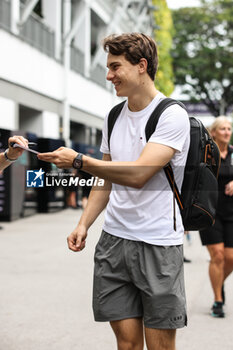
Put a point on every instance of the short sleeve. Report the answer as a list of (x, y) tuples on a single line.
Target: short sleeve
[(104, 148), (172, 129)]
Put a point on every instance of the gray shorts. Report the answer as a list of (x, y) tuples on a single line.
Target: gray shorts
[(135, 279)]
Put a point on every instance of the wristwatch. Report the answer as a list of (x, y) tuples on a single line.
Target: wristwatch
[(7, 158), (78, 161)]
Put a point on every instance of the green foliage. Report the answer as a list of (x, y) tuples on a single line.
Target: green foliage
[(202, 53), (163, 37)]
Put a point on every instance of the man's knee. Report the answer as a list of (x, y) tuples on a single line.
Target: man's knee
[(129, 334), (129, 343), (160, 339), (124, 344)]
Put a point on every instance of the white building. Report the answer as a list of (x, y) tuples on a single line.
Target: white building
[(52, 65)]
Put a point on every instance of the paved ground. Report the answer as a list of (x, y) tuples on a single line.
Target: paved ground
[(45, 291)]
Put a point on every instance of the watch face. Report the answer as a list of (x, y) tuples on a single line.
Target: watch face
[(77, 163)]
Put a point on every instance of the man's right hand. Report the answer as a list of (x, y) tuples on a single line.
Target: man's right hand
[(77, 239)]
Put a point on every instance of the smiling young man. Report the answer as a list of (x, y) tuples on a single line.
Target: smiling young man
[(138, 277)]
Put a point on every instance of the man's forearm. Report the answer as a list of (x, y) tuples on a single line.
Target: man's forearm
[(122, 173), (132, 173), (127, 173), (97, 201)]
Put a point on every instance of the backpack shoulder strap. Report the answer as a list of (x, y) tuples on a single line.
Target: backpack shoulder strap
[(112, 117), (154, 118), (150, 128)]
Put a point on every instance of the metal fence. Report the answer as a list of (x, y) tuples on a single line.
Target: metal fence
[(98, 75), (33, 31), (77, 60), (5, 14), (38, 35)]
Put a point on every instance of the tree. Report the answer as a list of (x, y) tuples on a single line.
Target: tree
[(163, 37), (203, 51)]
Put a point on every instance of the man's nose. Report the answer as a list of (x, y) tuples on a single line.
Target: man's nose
[(110, 75)]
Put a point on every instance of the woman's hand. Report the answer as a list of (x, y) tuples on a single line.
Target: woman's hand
[(15, 153), (229, 189)]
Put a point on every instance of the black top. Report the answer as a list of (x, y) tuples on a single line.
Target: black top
[(225, 203)]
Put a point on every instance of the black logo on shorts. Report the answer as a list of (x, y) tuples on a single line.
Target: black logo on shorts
[(176, 318)]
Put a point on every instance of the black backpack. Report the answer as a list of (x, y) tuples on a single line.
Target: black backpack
[(199, 193)]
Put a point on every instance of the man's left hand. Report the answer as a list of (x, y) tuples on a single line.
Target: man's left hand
[(62, 157)]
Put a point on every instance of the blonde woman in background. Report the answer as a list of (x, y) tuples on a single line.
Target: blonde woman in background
[(219, 238)]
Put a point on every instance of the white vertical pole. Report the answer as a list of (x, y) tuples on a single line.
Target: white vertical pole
[(66, 106), (16, 116), (15, 16), (58, 29), (87, 56), (87, 135), (93, 136)]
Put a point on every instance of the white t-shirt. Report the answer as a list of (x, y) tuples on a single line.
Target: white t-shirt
[(146, 214)]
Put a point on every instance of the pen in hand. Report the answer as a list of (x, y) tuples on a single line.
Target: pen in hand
[(14, 144)]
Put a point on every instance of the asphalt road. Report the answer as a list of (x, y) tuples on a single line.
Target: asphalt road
[(45, 291)]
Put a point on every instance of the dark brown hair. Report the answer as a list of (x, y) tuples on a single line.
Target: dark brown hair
[(134, 46)]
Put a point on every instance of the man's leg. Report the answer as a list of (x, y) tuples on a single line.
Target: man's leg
[(129, 333), (160, 339)]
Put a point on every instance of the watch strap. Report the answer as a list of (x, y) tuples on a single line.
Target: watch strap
[(7, 158)]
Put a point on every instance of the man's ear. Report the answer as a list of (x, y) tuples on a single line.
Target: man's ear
[(142, 65)]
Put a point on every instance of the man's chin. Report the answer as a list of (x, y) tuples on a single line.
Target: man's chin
[(120, 93)]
